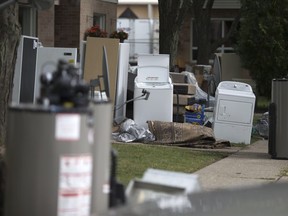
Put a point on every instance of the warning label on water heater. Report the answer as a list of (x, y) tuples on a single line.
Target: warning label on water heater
[(75, 179), (67, 127)]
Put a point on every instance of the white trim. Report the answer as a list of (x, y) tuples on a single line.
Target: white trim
[(137, 2)]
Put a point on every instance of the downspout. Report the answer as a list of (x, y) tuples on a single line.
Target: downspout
[(151, 25)]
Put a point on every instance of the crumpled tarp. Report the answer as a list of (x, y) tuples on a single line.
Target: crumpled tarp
[(262, 126), (200, 94), (129, 131), (185, 134), (169, 133)]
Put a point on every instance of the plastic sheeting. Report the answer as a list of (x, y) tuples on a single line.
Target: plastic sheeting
[(262, 126), (200, 94), (129, 132)]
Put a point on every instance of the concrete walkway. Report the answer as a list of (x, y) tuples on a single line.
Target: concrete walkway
[(249, 166)]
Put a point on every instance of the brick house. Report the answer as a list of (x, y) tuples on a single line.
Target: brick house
[(223, 14), (64, 24)]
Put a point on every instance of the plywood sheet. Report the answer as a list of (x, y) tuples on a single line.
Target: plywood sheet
[(93, 60)]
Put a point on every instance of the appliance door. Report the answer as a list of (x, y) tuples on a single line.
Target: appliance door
[(24, 73), (234, 111)]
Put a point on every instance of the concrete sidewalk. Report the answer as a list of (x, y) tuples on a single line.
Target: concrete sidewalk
[(249, 166)]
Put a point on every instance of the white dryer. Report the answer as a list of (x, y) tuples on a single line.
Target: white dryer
[(234, 112), (153, 77)]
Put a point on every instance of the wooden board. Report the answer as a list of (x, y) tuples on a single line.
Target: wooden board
[(93, 60)]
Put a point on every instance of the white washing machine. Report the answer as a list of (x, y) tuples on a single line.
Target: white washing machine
[(234, 112), (153, 77)]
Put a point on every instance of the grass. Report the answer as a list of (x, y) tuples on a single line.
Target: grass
[(262, 103), (284, 172), (134, 159)]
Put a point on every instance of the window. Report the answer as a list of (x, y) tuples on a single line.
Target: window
[(219, 28), (100, 19), (27, 19)]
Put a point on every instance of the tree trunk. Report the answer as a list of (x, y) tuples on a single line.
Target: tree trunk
[(168, 42), (171, 17), (204, 46), (9, 39), (202, 12)]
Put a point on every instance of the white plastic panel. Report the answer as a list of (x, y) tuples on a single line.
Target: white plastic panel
[(232, 132), (235, 86), (153, 68), (235, 111)]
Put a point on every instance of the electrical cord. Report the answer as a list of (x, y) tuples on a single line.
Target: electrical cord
[(145, 95), (177, 104)]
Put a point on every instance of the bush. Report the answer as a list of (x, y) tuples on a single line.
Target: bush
[(263, 41)]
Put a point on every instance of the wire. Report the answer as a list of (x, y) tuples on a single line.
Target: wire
[(134, 99), (177, 104)]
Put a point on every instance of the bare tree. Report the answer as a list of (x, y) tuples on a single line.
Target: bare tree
[(9, 38), (202, 10), (171, 16)]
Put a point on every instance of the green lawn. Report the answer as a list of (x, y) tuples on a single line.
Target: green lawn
[(262, 103), (134, 159)]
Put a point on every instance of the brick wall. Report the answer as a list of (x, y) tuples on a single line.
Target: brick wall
[(67, 24), (64, 25), (110, 9), (86, 16), (89, 7), (45, 26)]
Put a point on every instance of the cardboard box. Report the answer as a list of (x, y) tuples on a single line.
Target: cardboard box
[(198, 72), (184, 99), (178, 77), (184, 88)]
